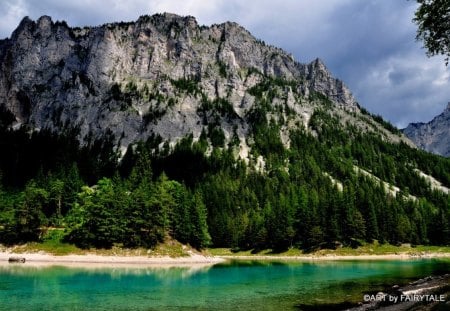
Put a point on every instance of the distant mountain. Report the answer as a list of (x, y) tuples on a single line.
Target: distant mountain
[(433, 136)]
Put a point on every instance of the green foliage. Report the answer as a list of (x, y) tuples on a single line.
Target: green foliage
[(222, 69), (124, 97), (24, 156), (267, 140), (217, 136), (322, 98), (269, 85), (198, 234), (312, 195), (219, 107), (153, 115), (131, 92), (28, 218), (137, 212), (96, 219), (190, 86), (432, 18), (387, 125)]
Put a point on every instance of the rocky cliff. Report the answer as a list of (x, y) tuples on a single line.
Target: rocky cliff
[(433, 136), (119, 77), (161, 75)]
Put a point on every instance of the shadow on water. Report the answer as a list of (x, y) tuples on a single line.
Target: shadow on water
[(236, 263), (326, 306)]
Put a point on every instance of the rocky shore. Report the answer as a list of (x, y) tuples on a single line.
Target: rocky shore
[(430, 293)]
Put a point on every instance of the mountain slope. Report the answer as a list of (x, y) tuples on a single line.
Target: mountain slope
[(223, 140), (433, 136)]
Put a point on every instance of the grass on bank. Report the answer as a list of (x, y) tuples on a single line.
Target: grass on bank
[(366, 249), (52, 243)]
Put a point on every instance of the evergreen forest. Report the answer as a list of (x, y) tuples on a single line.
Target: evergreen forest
[(329, 186)]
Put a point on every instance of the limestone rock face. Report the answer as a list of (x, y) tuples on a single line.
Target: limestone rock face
[(156, 75), (433, 136)]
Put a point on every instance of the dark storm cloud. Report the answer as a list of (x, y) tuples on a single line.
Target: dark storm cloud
[(369, 44)]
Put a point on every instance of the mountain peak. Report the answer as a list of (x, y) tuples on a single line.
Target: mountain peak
[(154, 76), (25, 22), (168, 18), (318, 62), (44, 20), (25, 25), (433, 136)]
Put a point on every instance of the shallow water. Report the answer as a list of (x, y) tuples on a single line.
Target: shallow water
[(236, 285)]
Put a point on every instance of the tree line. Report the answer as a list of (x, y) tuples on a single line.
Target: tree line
[(308, 196)]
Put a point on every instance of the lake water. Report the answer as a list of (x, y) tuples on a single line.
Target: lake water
[(237, 285)]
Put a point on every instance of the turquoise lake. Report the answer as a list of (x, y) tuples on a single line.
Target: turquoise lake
[(236, 285)]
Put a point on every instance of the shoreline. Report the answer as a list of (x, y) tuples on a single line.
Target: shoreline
[(331, 257), (109, 261), (116, 261)]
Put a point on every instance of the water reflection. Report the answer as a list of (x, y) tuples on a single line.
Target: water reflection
[(116, 272), (234, 285)]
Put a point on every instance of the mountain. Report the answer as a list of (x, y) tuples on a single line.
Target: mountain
[(136, 133), (433, 136), (163, 75)]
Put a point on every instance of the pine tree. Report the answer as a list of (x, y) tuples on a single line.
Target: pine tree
[(28, 215), (199, 236)]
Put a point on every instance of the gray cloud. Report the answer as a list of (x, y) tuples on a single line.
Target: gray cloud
[(368, 44)]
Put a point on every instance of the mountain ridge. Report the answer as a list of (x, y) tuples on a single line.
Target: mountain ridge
[(433, 136), (92, 77)]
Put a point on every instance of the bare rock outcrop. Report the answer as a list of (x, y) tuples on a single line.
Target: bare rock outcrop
[(162, 75), (433, 136)]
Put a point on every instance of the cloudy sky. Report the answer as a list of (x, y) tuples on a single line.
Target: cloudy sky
[(369, 44)]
